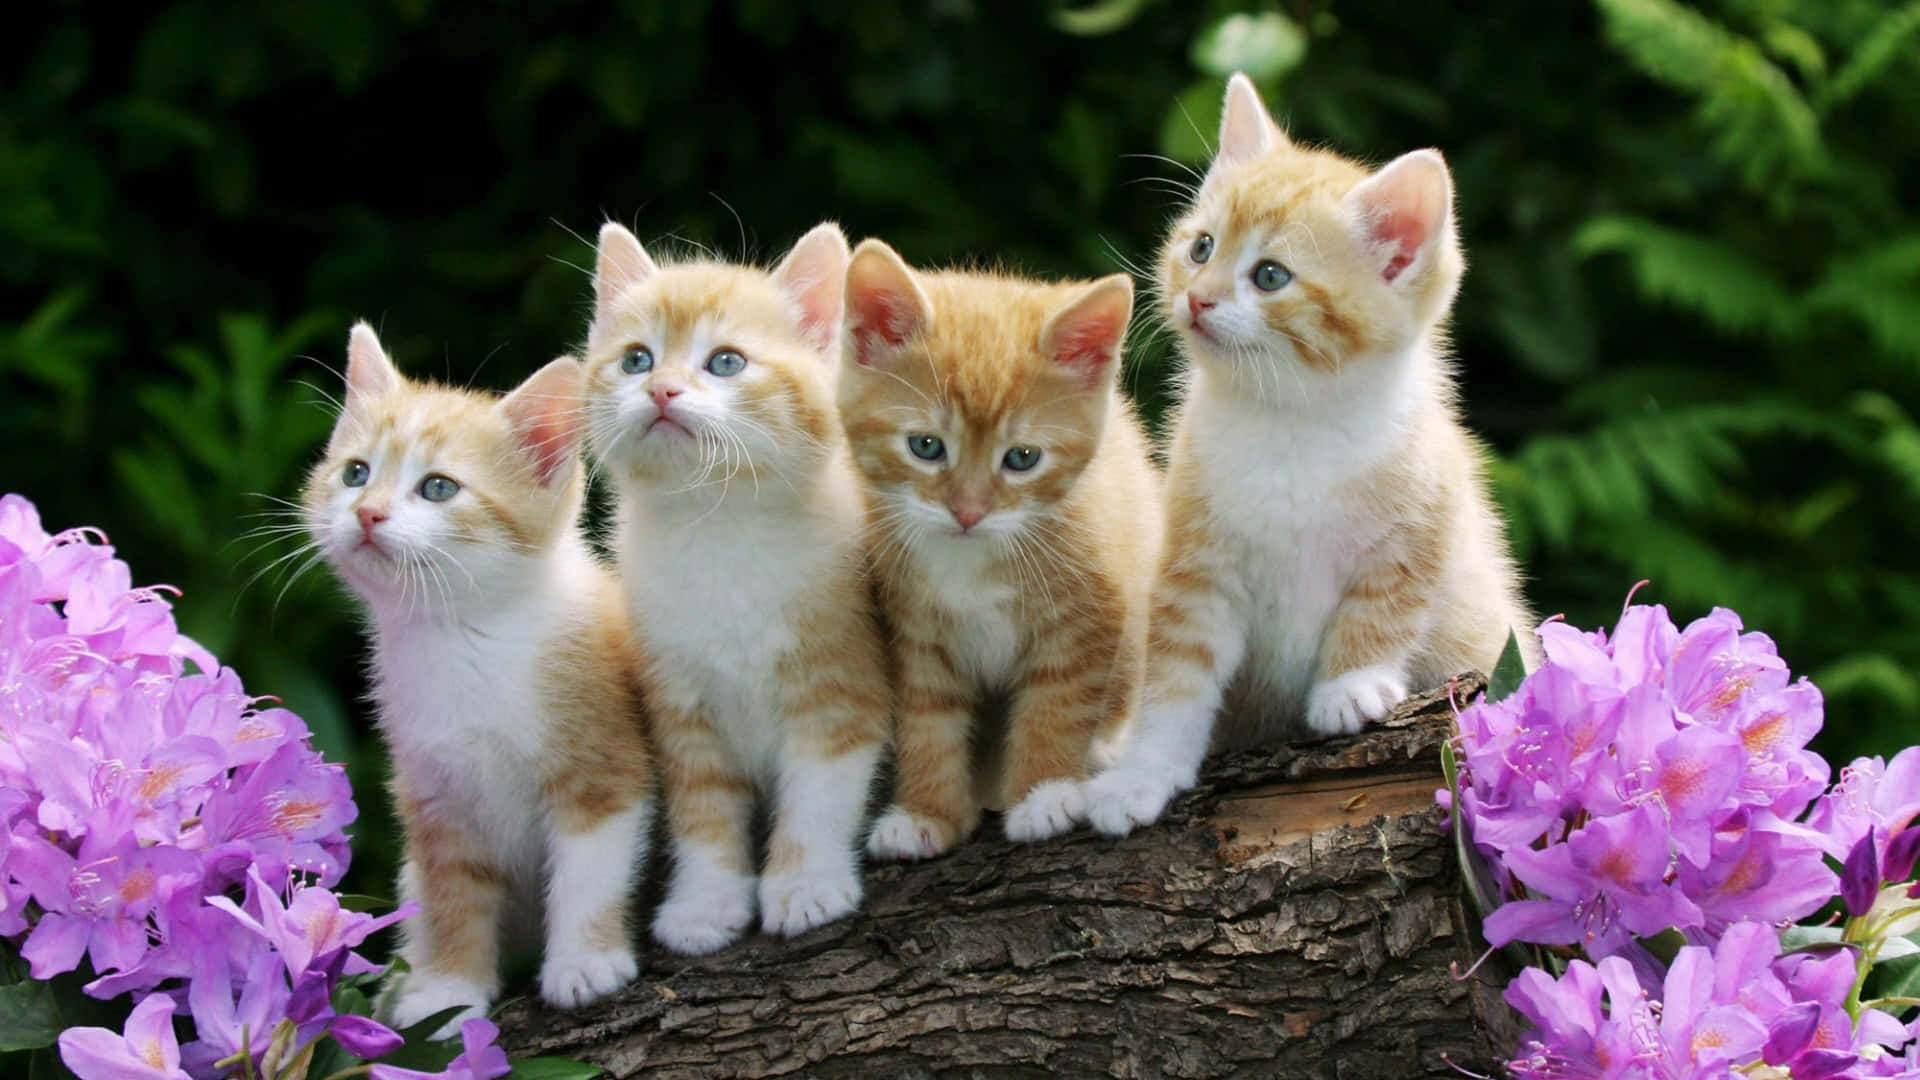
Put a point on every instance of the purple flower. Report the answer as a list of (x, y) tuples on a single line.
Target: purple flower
[(479, 1059), (147, 1051), (140, 785), (313, 927), (364, 1037), (1647, 779)]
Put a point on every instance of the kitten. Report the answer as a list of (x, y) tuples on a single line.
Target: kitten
[(504, 674), (1016, 521), (1331, 543), (710, 402)]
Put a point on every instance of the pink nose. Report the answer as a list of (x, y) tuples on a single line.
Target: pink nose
[(1197, 304), (967, 516), (664, 394), (369, 517)]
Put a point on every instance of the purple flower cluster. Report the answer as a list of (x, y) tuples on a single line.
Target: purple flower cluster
[(1658, 779), (139, 799), (1647, 780)]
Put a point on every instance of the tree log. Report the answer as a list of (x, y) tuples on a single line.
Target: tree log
[(1296, 915)]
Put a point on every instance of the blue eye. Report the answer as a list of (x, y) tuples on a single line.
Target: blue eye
[(1271, 277), (725, 362), (927, 447), (637, 360), (1202, 248), (1021, 458), (355, 474), (437, 488)]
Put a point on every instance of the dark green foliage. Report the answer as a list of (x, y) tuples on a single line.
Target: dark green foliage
[(1689, 330)]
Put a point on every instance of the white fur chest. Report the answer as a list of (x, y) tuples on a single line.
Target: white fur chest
[(466, 724), (1288, 530), (980, 608), (715, 599)]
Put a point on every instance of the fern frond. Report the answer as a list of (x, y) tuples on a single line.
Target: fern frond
[(1886, 42), (1878, 288), (1694, 272), (1762, 124)]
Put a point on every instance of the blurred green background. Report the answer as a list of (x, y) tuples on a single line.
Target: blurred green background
[(1690, 328)]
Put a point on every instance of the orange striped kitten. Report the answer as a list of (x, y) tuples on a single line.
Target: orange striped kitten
[(1015, 521), (503, 673), (710, 405), (1330, 540)]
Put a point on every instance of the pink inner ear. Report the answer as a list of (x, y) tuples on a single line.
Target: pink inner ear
[(1406, 232), (548, 438), (882, 320), (1090, 340)]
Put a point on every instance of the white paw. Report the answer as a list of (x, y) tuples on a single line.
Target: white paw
[(425, 993), (1121, 800), (902, 834), (1051, 808), (700, 921), (792, 904), (570, 980), (1344, 705)]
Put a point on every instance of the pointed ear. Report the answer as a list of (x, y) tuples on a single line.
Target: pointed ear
[(1246, 128), (1085, 336), (885, 307), (545, 415), (620, 264), (369, 373), (814, 273), (1404, 209)]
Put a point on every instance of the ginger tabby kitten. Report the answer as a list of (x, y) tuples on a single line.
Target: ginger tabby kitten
[(1331, 544), (503, 675), (1015, 521), (710, 396)]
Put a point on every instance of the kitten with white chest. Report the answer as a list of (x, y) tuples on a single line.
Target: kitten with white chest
[(505, 676), (710, 403), (1016, 522), (1331, 543)]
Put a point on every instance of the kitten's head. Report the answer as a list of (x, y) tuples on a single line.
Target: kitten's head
[(701, 371), (974, 401), (1300, 257), (429, 494)]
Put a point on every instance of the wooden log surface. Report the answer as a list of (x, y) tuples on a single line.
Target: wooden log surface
[(1296, 915)]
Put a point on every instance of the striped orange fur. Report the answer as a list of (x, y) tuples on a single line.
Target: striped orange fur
[(1331, 543), (1028, 583), (710, 391), (504, 674)]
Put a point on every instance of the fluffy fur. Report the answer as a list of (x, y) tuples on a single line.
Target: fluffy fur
[(504, 675), (738, 540), (999, 582), (1331, 544)]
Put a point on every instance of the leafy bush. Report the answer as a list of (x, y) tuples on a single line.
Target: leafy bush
[(1687, 327)]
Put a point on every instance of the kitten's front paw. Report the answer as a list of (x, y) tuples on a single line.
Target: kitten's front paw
[(902, 834), (425, 993), (703, 921), (792, 904), (1346, 704), (1051, 808), (572, 980), (1121, 800)]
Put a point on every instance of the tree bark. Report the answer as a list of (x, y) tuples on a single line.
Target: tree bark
[(1294, 916)]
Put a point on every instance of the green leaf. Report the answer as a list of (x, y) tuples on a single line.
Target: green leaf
[(1185, 131), (1874, 54), (1509, 672), (1102, 17), (553, 1068), (1265, 46), (1895, 978), (1695, 272), (29, 1016), (362, 902)]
